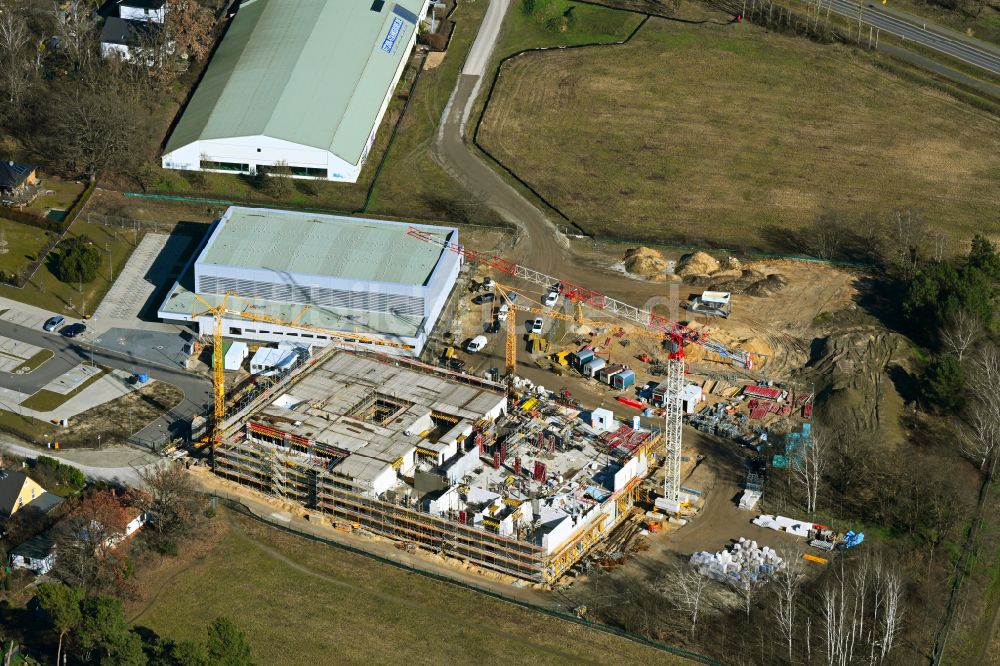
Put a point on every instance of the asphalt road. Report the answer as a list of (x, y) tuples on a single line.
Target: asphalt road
[(70, 352), (916, 30)]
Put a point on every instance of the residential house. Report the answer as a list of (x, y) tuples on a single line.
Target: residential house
[(16, 179), (136, 520), (18, 491), (134, 29), (37, 554), (126, 38), (153, 11)]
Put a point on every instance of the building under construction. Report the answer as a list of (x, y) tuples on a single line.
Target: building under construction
[(440, 460)]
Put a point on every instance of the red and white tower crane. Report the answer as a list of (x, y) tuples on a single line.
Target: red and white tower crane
[(675, 335)]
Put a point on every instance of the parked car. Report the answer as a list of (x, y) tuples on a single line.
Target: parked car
[(483, 298), (53, 323), (536, 326), (476, 344), (488, 283), (550, 299), (73, 330), (456, 364), (503, 312)]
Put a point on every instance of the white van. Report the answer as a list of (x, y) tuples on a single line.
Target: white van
[(476, 344)]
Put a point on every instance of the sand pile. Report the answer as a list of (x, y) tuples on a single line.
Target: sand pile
[(697, 264), (644, 261)]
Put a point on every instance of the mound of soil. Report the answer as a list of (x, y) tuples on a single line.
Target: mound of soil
[(644, 261), (697, 264), (852, 374)]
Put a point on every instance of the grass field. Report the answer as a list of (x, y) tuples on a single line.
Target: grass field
[(301, 602), (584, 24), (23, 245), (45, 291), (730, 135)]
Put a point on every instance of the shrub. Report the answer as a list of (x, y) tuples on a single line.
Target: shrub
[(77, 260), (943, 386)]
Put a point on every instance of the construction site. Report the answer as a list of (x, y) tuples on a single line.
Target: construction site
[(410, 452), (491, 469)]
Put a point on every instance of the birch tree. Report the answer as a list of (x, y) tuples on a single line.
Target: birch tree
[(861, 613), (77, 32), (982, 436), (686, 589), (15, 58), (961, 333), (787, 585), (809, 465)]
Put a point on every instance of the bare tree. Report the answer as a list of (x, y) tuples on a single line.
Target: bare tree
[(685, 588), (93, 125), (77, 32), (982, 440), (787, 584), (889, 612), (861, 613), (982, 436), (809, 466), (961, 333), (907, 233), (15, 57), (748, 582)]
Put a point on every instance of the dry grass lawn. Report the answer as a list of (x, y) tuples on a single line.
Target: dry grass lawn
[(302, 602), (731, 135)]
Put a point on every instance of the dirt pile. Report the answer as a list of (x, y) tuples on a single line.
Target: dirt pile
[(700, 269), (644, 261), (853, 374), (697, 264)]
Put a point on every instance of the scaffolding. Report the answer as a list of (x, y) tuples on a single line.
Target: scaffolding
[(289, 473)]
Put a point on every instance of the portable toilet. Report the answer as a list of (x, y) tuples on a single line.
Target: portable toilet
[(593, 366), (582, 357), (622, 380)]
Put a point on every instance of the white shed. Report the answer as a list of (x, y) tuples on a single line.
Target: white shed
[(602, 420), (691, 395), (235, 354)]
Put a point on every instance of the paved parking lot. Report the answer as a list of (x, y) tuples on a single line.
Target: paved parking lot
[(13, 354), (165, 348), (154, 265)]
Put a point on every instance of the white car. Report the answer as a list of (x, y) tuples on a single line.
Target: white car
[(536, 326), (551, 299), (488, 283), (476, 344), (503, 312)]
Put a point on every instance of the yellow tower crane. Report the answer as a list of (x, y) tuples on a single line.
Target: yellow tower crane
[(218, 313)]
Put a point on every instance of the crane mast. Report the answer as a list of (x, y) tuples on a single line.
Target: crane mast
[(675, 334)]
